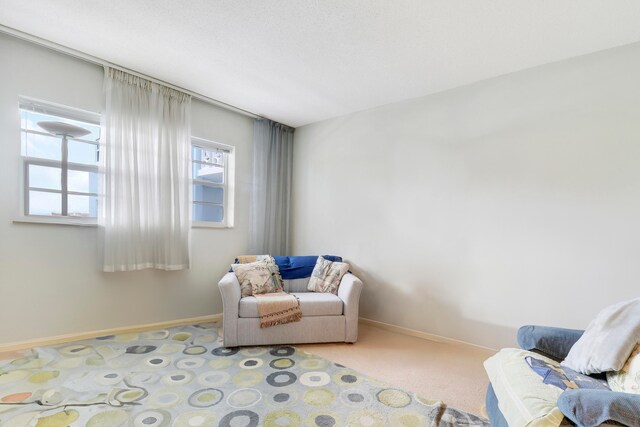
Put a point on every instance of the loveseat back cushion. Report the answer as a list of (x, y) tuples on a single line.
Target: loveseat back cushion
[(296, 285), (311, 304)]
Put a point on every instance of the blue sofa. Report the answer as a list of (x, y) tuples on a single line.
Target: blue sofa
[(582, 407)]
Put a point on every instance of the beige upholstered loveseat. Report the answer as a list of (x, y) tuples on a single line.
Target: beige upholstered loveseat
[(325, 317)]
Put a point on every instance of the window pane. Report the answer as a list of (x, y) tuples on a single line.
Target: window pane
[(211, 213), (204, 193), (211, 173), (44, 177), (41, 146), (41, 203), (82, 181), (83, 206), (83, 153), (215, 157)]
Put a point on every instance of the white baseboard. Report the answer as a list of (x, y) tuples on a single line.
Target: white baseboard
[(60, 339), (419, 334)]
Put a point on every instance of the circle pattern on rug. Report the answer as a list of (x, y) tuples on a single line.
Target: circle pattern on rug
[(251, 363), (247, 378), (319, 397), (281, 378), (213, 378), (175, 378), (347, 378), (130, 395), (157, 361), (141, 349), (195, 349), (282, 351), (249, 418), (244, 397), (315, 378), (107, 378), (206, 397), (408, 419), (367, 418), (356, 398), (282, 418), (253, 351), (282, 363), (165, 398), (323, 419), (200, 418), (312, 364), (190, 363), (152, 418), (394, 398), (223, 351)]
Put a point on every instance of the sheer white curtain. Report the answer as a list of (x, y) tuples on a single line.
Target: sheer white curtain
[(145, 159), (271, 191)]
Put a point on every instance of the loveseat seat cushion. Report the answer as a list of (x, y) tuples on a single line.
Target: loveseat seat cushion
[(311, 304)]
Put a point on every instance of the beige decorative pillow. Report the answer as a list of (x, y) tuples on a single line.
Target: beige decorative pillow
[(627, 379), (326, 276), (254, 278), (275, 271)]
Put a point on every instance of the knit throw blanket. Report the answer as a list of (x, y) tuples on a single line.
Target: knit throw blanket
[(277, 309)]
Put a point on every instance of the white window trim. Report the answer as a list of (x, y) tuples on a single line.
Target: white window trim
[(229, 179), (46, 107)]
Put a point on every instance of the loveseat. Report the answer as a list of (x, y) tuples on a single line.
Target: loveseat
[(590, 406), (325, 317)]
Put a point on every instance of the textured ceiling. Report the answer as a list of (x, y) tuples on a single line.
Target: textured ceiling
[(301, 61)]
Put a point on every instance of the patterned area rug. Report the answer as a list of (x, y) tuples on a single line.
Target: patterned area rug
[(184, 377)]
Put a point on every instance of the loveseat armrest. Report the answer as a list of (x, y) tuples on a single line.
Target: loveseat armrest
[(349, 292), (552, 342), (230, 291), (595, 407)]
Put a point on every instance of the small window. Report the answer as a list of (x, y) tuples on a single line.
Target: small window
[(212, 167), (60, 153)]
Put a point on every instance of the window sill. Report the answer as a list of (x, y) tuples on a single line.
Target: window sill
[(202, 224), (53, 221)]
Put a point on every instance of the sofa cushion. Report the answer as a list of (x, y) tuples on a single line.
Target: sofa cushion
[(523, 397), (311, 305), (296, 285)]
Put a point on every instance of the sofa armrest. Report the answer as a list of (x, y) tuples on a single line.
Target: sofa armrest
[(595, 407), (552, 342), (349, 292), (230, 291)]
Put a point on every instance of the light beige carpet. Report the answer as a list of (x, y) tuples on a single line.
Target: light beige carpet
[(454, 373)]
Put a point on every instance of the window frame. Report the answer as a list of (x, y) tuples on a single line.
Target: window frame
[(65, 112), (228, 184)]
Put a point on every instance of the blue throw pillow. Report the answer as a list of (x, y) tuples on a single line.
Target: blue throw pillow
[(299, 267), (594, 407)]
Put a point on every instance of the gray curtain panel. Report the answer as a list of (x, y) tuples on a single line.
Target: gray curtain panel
[(271, 190)]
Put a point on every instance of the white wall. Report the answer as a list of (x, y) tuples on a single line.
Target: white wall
[(50, 277), (473, 211)]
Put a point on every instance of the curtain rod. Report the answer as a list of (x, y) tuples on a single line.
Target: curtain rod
[(99, 61)]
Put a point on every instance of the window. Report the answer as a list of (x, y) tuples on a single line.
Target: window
[(213, 178), (60, 152)]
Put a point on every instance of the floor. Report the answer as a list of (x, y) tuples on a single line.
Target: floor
[(452, 373)]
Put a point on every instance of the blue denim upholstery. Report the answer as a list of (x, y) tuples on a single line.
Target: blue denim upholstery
[(589, 408), (584, 407), (552, 342), (493, 412)]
